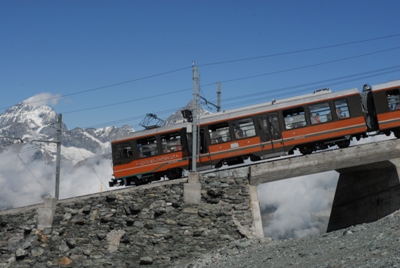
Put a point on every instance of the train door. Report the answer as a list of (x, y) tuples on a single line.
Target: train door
[(270, 134)]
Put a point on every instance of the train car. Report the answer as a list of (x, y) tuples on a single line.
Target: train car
[(382, 107), (149, 155), (308, 123)]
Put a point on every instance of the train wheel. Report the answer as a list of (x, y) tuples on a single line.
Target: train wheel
[(306, 149), (397, 133), (343, 143), (220, 164), (174, 174), (254, 158)]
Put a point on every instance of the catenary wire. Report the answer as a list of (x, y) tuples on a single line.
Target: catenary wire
[(237, 79), (303, 67), (300, 51), (302, 90), (281, 91), (107, 86), (214, 63), (391, 69)]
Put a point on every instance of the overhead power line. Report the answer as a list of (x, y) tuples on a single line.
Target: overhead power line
[(107, 86), (124, 102), (282, 91), (300, 51), (213, 63), (325, 81), (235, 79), (304, 67)]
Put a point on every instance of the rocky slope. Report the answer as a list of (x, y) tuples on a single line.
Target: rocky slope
[(367, 245)]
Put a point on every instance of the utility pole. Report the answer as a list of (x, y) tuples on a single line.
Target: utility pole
[(219, 99), (194, 114), (58, 159)]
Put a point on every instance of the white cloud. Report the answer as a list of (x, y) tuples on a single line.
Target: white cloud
[(295, 201), (26, 181), (43, 99)]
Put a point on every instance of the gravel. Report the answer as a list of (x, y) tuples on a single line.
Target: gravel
[(375, 244)]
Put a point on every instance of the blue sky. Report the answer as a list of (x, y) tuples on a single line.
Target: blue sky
[(114, 61)]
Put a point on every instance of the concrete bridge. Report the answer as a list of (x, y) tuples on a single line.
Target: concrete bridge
[(368, 187)]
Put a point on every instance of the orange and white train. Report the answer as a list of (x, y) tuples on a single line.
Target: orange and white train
[(306, 123)]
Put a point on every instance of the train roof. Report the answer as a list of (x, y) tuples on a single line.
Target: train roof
[(276, 105), (389, 84), (253, 109)]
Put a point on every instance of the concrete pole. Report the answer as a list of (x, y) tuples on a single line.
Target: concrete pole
[(58, 156), (194, 114)]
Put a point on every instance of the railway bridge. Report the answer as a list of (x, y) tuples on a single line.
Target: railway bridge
[(368, 187)]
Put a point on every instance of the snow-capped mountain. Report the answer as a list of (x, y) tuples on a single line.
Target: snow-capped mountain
[(27, 170), (31, 122)]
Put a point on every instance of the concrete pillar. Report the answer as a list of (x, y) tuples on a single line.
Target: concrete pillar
[(255, 210), (192, 189), (365, 194), (46, 213)]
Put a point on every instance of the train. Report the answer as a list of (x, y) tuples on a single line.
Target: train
[(307, 123)]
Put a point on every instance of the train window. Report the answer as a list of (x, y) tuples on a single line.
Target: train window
[(320, 113), (219, 133), (244, 128), (393, 99), (122, 150), (171, 142), (147, 147), (294, 118), (342, 109)]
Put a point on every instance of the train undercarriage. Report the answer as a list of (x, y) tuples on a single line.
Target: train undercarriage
[(171, 174)]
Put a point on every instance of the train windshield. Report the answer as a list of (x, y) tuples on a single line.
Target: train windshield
[(122, 150)]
